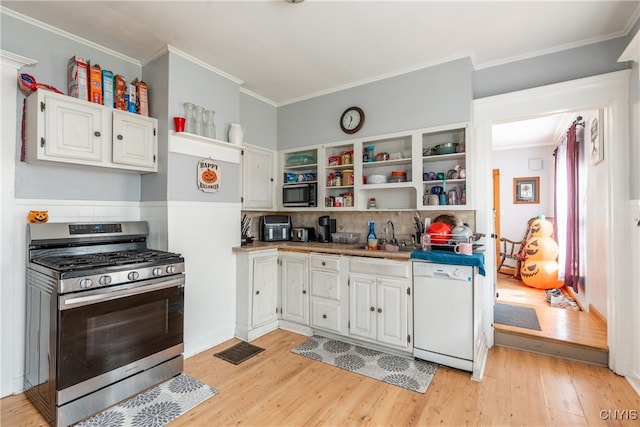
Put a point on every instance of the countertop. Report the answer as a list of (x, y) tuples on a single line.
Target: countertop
[(355, 249)]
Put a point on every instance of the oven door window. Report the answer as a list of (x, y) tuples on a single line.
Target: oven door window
[(97, 338)]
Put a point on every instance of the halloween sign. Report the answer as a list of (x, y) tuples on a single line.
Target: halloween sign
[(209, 175)]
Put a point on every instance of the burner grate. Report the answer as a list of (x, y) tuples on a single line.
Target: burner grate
[(67, 263)]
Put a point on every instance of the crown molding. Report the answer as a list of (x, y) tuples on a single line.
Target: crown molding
[(68, 35)]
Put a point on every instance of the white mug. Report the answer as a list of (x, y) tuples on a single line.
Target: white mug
[(463, 248)]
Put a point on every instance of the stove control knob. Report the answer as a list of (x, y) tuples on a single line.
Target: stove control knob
[(171, 269), (85, 283), (105, 280), (157, 271), (133, 275)]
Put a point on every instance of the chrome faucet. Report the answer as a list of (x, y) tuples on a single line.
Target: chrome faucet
[(393, 241)]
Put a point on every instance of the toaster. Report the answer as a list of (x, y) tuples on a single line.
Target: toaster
[(275, 228), (303, 234)]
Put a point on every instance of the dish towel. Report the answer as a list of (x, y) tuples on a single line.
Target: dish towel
[(452, 258)]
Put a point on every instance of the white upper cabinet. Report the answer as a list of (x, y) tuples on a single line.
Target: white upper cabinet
[(135, 141), (67, 130), (397, 171), (257, 178)]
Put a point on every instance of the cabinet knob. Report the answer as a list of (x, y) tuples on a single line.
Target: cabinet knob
[(97, 133), (324, 316), (372, 309), (257, 292), (304, 291), (324, 263), (379, 310), (119, 137)]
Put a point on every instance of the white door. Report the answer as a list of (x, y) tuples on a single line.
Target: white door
[(265, 290), (362, 300), (74, 130), (391, 310), (294, 280), (257, 178), (134, 141)]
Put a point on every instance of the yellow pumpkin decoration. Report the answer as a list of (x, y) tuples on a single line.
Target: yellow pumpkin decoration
[(541, 227), (543, 248), (540, 274), (38, 217)]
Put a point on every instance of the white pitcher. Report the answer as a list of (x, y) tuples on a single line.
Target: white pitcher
[(236, 134)]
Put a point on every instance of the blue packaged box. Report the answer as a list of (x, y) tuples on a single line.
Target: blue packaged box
[(107, 88)]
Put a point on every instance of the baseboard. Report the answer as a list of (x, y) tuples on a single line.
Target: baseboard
[(599, 315), (635, 383)]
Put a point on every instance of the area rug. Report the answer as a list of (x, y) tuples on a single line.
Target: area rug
[(155, 407), (405, 372), (239, 352), (516, 315)]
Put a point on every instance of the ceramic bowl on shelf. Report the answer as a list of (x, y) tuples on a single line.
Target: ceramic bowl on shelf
[(376, 179), (446, 148)]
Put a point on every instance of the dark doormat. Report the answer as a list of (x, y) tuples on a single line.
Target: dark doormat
[(238, 353), (516, 315)]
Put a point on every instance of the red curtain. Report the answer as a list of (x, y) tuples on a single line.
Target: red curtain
[(569, 164)]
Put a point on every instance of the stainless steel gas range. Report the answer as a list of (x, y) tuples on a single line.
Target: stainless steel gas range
[(105, 316)]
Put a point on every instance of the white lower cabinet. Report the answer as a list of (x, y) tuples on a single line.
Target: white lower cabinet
[(257, 294), (294, 287), (329, 294), (380, 301)]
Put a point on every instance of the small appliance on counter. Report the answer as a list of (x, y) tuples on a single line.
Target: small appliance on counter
[(303, 234), (275, 228), (326, 226)]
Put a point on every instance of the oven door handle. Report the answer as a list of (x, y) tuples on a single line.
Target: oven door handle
[(79, 301)]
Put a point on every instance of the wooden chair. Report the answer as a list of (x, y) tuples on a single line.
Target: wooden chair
[(512, 253)]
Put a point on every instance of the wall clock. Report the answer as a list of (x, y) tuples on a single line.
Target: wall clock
[(352, 120)]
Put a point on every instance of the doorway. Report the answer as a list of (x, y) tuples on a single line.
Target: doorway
[(608, 92), (515, 157)]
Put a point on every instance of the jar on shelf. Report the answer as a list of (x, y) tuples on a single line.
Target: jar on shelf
[(346, 157), (347, 177), (331, 180), (372, 203), (368, 154), (338, 179), (188, 117)]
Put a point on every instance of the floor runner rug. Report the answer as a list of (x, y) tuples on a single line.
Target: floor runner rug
[(155, 407), (238, 353), (516, 315), (406, 372)]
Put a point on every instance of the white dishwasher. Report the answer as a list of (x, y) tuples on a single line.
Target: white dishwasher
[(443, 314)]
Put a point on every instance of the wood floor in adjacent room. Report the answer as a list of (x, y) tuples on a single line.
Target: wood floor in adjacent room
[(558, 324), (279, 388)]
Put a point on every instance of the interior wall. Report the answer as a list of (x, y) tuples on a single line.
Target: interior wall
[(514, 163)]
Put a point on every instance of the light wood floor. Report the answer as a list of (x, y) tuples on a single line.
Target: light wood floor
[(279, 388), (558, 324)]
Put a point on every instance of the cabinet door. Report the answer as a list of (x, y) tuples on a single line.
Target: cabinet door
[(392, 304), (74, 131), (265, 290), (134, 141), (362, 301), (294, 282), (257, 178)]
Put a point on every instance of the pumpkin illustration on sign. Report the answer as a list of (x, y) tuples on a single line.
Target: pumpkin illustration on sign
[(209, 176), (38, 217)]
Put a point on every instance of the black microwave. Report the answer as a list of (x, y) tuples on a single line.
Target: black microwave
[(304, 194)]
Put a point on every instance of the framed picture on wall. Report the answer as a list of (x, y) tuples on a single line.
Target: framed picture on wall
[(526, 190), (597, 141)]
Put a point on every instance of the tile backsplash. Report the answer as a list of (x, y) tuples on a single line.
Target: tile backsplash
[(357, 221)]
